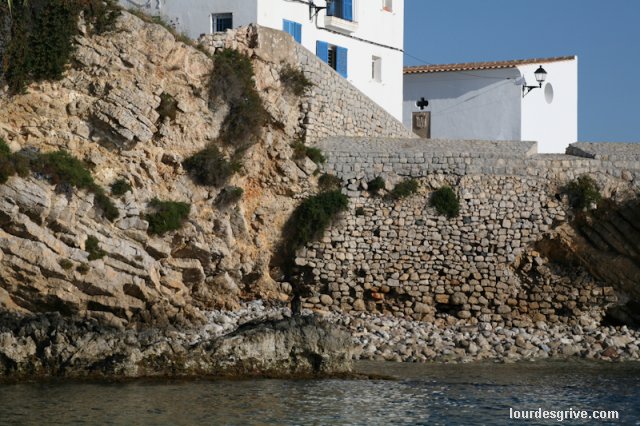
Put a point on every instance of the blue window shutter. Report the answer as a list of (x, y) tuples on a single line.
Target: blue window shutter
[(292, 28), (347, 10), (341, 63), (297, 32), (331, 7), (322, 50)]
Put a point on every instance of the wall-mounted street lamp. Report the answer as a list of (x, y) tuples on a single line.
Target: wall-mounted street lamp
[(541, 76)]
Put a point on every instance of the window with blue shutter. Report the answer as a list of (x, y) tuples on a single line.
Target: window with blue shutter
[(340, 9), (322, 50), (341, 61), (334, 56), (293, 28), (347, 10)]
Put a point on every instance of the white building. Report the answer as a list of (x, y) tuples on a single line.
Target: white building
[(489, 100), (361, 39)]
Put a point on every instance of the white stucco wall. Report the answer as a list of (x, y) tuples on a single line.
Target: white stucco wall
[(382, 30), (551, 122), (193, 17), (482, 104)]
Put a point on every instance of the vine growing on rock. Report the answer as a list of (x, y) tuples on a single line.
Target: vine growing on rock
[(232, 81), (310, 219), (60, 168), (42, 34)]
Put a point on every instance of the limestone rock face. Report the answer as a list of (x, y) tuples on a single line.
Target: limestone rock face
[(105, 112), (285, 347)]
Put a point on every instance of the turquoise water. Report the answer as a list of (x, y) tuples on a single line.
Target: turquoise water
[(419, 394)]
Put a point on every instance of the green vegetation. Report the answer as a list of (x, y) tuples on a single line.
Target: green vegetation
[(375, 185), (294, 80), (42, 37), (583, 192), (11, 164), (329, 182), (167, 216), (83, 268), (232, 80), (65, 264), (300, 151), (59, 167), (312, 217), (229, 195), (168, 107), (404, 189), (210, 167), (120, 187), (92, 246), (445, 201)]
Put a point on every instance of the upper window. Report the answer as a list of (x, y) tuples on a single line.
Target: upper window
[(221, 22), (335, 56), (342, 9), (387, 5), (293, 28)]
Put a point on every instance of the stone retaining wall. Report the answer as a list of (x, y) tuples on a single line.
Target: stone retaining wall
[(333, 106), (480, 267)]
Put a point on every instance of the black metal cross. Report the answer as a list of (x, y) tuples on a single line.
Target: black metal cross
[(422, 103)]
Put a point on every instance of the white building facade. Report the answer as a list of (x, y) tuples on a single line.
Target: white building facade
[(487, 100), (362, 40)]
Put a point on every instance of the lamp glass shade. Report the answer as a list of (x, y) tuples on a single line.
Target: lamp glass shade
[(541, 75)]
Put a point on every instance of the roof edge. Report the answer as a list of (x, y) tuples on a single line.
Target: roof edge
[(479, 66)]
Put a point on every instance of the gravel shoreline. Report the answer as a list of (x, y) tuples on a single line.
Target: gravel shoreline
[(387, 338)]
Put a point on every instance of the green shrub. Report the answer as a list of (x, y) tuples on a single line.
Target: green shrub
[(65, 264), (404, 189), (12, 164), (92, 246), (315, 155), (210, 167), (60, 167), (445, 201), (376, 184), (167, 216), (109, 210), (294, 80), (329, 182), (42, 37), (232, 81), (83, 268), (583, 192), (168, 107), (120, 187), (300, 151), (229, 195), (5, 151), (310, 219)]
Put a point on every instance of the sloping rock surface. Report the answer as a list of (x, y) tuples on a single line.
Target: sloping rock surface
[(53, 346)]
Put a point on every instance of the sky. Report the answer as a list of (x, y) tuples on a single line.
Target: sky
[(605, 34)]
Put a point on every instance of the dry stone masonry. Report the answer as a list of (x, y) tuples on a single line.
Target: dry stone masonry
[(486, 266), (333, 106)]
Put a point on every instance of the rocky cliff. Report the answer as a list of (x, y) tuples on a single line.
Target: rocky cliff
[(105, 111)]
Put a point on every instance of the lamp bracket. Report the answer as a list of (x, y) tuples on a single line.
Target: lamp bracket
[(314, 10), (526, 89)]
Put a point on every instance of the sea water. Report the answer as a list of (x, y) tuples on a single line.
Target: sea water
[(470, 394)]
